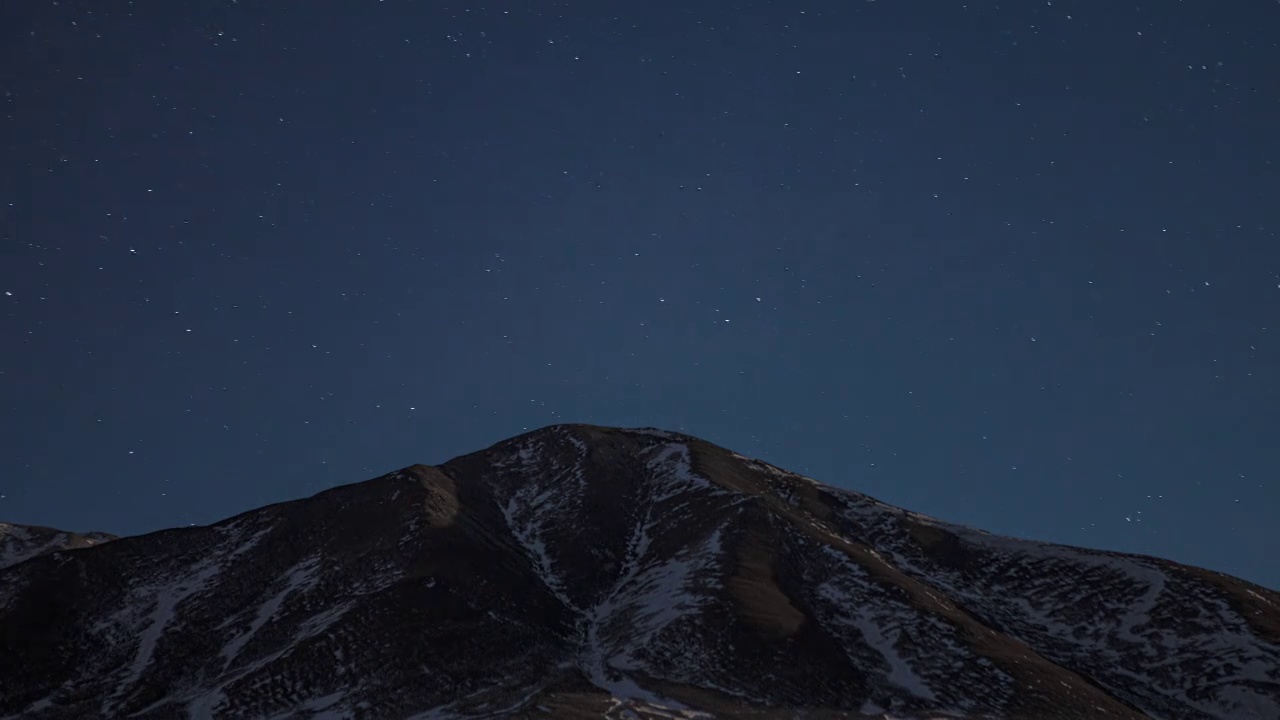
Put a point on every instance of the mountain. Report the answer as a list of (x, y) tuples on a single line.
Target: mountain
[(21, 542), (582, 571)]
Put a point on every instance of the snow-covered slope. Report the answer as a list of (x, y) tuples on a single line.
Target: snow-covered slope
[(580, 571)]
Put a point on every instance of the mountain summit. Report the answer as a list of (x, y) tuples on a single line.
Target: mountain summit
[(582, 571)]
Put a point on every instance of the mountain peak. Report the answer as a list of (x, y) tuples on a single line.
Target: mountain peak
[(580, 570)]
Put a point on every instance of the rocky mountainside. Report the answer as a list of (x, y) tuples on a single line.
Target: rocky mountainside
[(21, 542), (581, 571)]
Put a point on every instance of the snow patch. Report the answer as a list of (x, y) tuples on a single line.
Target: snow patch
[(672, 471), (661, 595), (522, 519), (319, 708), (880, 630), (152, 609), (163, 611), (299, 577), (648, 597)]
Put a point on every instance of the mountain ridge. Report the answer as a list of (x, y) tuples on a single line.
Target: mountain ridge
[(641, 571), (21, 542)]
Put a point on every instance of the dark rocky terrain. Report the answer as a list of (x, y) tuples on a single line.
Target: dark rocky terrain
[(581, 571)]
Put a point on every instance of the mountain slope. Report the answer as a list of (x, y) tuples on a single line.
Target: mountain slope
[(22, 542), (580, 571)]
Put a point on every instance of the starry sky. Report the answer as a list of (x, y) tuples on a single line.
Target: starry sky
[(1013, 264)]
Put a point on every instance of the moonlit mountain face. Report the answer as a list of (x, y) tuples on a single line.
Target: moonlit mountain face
[(581, 571)]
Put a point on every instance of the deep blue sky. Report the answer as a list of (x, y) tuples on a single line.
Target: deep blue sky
[(1012, 265)]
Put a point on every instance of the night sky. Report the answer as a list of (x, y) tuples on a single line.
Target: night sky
[(1013, 265)]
